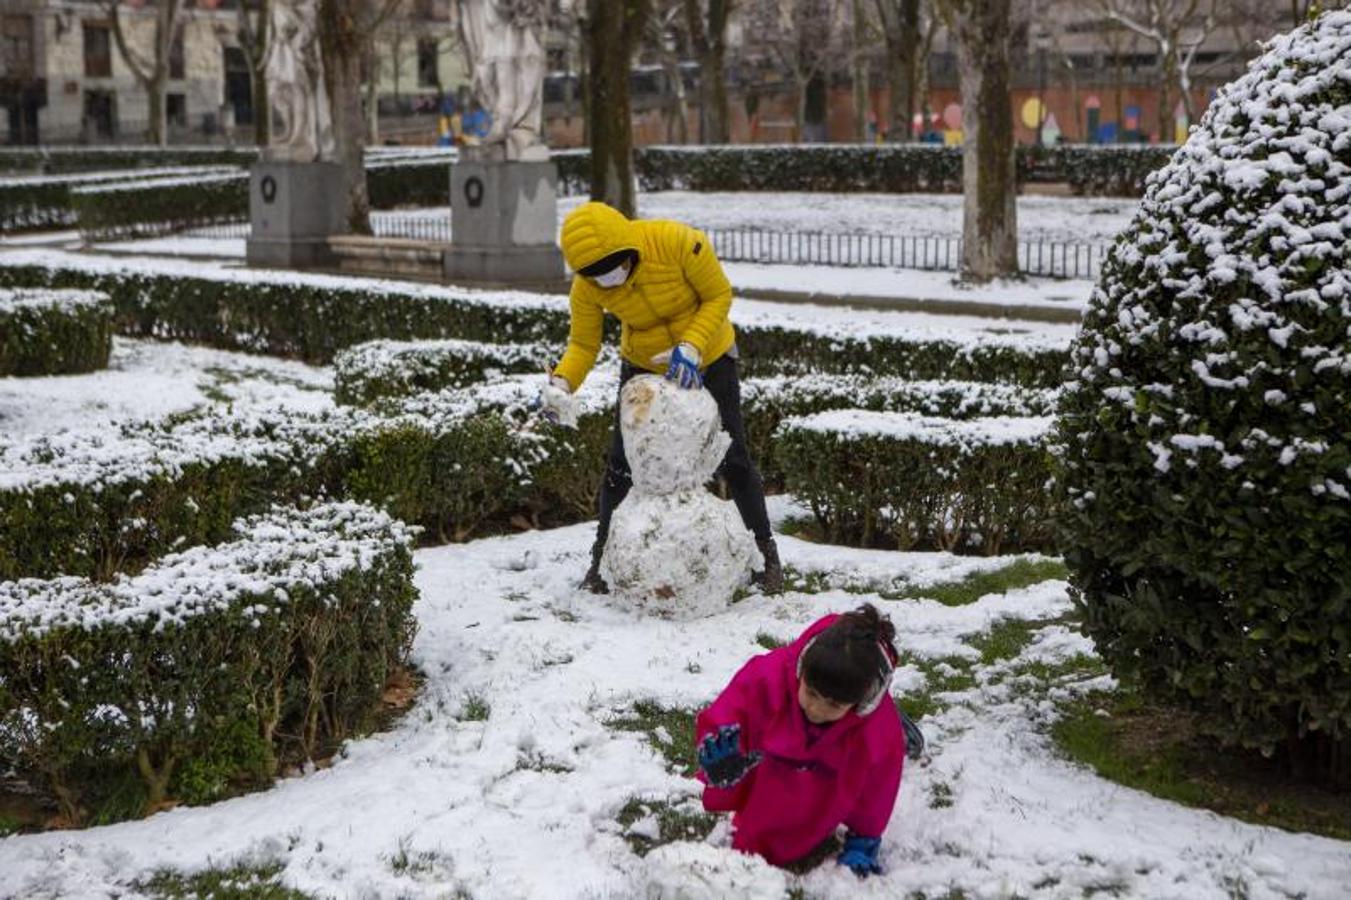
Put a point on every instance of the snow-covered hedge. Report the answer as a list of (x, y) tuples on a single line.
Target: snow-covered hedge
[(908, 481), (1204, 443), (96, 503), (160, 205), (56, 160), (44, 202), (379, 369), (215, 665), (883, 168), (54, 332), (312, 317)]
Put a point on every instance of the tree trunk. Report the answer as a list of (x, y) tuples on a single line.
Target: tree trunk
[(709, 38), (860, 75), (900, 28), (989, 221), (614, 28), (1169, 74), (341, 41), (262, 108), (157, 124)]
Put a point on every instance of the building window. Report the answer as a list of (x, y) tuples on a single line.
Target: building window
[(16, 47), (100, 115), (98, 51), (176, 56), (426, 62), (176, 109)]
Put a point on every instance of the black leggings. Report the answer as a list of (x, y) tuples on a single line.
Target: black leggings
[(748, 491)]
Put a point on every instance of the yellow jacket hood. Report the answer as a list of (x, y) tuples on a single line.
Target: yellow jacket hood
[(593, 231)]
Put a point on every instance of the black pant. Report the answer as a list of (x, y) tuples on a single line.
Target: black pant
[(748, 491)]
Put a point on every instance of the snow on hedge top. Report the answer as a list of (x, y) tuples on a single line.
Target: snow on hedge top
[(120, 175), (155, 184), (961, 399), (385, 359), (44, 300), (276, 553), (1242, 238), (858, 424)]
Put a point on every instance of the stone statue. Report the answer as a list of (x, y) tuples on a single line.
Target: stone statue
[(295, 78), (506, 57)]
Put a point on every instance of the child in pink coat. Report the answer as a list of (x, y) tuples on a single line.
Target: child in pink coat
[(806, 738)]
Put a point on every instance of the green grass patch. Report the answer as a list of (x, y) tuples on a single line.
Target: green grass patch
[(946, 675), (1160, 751), (684, 821), (768, 641), (240, 882), (475, 709), (1020, 573), (677, 724)]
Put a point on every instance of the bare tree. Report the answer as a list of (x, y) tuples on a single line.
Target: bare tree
[(908, 27), (982, 31), (707, 23), (613, 30), (864, 34), (1177, 28), (666, 38), (801, 36), (254, 32), (345, 30), (152, 71)]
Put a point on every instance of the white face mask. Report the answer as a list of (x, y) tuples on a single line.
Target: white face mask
[(613, 278)]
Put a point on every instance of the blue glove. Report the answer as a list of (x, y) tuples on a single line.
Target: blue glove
[(684, 367), (914, 738), (721, 759), (860, 855)]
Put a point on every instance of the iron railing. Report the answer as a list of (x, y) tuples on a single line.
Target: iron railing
[(1055, 259)]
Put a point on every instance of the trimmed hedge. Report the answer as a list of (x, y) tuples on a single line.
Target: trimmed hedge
[(1089, 169), (159, 205), (70, 159), (35, 204), (46, 332), (94, 504), (906, 481), (379, 369), (312, 317), (217, 664)]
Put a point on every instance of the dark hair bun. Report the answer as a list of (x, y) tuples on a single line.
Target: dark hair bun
[(846, 662)]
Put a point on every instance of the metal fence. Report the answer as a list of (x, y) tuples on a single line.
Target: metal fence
[(1055, 259)]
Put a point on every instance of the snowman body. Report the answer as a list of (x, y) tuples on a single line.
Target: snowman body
[(674, 549)]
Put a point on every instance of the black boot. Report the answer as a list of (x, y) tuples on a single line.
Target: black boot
[(592, 580), (771, 579)]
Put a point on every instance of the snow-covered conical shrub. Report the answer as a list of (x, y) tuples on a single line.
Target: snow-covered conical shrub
[(1205, 436)]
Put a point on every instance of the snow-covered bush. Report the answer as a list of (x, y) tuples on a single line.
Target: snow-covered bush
[(907, 481), (45, 332), (54, 160), (379, 369), (312, 317), (269, 648), (1205, 456), (44, 202)]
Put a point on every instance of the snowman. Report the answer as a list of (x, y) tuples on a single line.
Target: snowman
[(674, 549)]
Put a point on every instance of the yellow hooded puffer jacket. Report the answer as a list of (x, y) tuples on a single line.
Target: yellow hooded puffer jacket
[(677, 293)]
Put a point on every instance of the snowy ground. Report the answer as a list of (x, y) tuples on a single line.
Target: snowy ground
[(524, 802), (152, 379)]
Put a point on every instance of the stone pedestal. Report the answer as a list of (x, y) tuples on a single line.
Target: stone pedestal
[(294, 209), (504, 218)]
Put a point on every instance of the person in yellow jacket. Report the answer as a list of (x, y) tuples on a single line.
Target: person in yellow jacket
[(664, 283)]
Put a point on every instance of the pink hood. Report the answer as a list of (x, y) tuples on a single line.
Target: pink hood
[(798, 795)]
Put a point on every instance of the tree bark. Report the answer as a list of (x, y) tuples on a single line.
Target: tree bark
[(709, 37), (614, 28), (262, 107), (860, 74), (341, 40), (900, 27), (989, 222), (255, 40)]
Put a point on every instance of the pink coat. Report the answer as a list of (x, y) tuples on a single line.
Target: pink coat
[(796, 797)]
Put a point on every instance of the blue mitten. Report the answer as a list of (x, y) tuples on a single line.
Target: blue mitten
[(684, 367), (860, 855), (721, 759)]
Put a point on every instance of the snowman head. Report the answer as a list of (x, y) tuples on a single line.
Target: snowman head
[(673, 437)]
